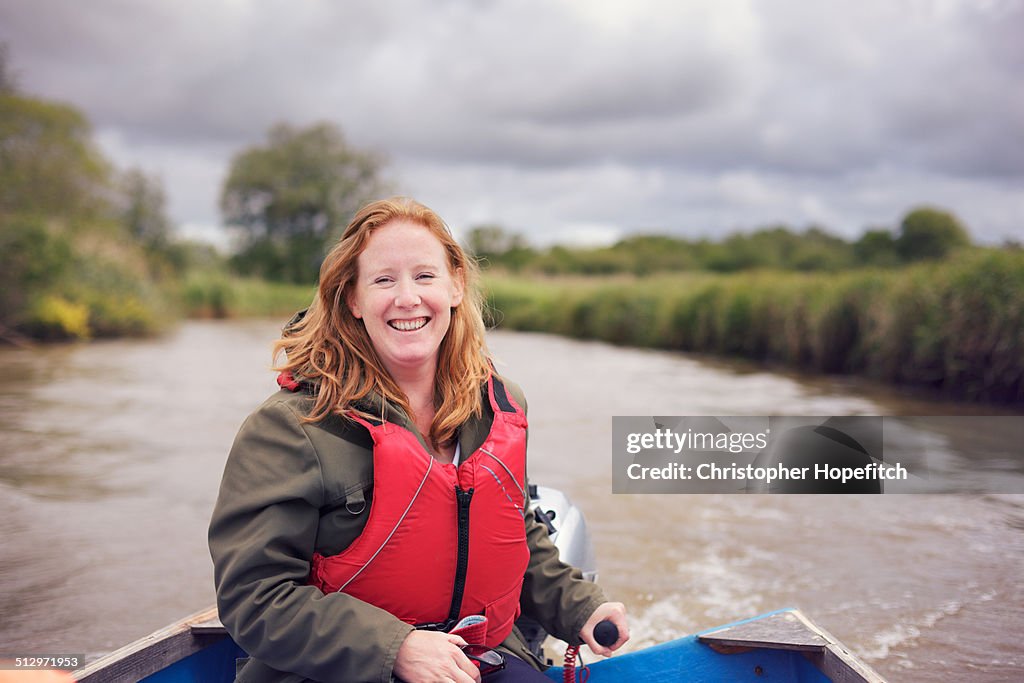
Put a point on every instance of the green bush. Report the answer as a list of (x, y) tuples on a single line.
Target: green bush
[(75, 282), (52, 317), (207, 295)]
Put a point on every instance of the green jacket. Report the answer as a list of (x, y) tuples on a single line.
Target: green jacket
[(291, 489)]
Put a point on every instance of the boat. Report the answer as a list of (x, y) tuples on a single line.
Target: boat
[(779, 646)]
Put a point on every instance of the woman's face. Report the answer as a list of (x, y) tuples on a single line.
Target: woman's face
[(404, 293)]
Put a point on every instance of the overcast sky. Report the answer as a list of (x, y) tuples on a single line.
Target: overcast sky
[(567, 121)]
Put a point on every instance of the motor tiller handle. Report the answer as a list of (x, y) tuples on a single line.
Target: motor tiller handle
[(606, 633)]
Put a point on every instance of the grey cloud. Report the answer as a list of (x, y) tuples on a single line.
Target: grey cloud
[(763, 98), (190, 72), (796, 90)]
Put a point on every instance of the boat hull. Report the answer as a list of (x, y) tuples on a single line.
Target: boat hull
[(779, 646), (687, 659)]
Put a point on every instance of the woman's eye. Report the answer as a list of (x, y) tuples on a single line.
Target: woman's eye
[(425, 276), (383, 280)]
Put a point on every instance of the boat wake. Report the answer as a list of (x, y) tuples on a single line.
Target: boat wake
[(904, 634)]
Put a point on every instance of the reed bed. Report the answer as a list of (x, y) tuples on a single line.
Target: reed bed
[(219, 295), (955, 326)]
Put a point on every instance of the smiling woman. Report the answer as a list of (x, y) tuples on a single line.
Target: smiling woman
[(372, 521)]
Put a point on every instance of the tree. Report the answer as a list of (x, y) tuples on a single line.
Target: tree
[(143, 209), (497, 247), (8, 80), (876, 248), (817, 249), (652, 253), (289, 197), (48, 162), (488, 241), (927, 234)]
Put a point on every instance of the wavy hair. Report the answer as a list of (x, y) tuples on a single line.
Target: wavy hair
[(331, 348)]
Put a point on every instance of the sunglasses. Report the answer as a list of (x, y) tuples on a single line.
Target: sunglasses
[(487, 659)]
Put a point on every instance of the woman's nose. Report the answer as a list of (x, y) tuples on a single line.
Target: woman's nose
[(406, 296)]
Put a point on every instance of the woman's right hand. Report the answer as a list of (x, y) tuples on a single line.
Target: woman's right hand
[(434, 657)]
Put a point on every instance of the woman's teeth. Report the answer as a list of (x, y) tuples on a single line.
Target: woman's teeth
[(408, 325)]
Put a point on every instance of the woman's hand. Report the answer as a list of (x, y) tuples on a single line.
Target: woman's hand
[(614, 612), (434, 657)]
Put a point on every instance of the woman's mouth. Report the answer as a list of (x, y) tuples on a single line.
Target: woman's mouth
[(408, 325)]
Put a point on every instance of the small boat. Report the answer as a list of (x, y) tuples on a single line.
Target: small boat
[(779, 646)]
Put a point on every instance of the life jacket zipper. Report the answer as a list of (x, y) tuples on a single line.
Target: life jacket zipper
[(462, 500)]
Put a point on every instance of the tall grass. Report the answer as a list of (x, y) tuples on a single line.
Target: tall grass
[(213, 294), (956, 326)]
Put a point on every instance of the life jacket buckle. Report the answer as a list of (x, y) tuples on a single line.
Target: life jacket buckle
[(445, 626)]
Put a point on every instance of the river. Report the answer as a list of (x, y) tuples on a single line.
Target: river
[(112, 454)]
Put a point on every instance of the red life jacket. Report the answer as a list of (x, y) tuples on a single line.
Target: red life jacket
[(441, 542)]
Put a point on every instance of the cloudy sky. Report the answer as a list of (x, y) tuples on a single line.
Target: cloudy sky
[(567, 120)]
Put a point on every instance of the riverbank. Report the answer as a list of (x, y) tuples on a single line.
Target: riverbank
[(956, 327), (81, 313)]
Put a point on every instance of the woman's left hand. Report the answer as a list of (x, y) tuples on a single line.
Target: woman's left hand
[(614, 612)]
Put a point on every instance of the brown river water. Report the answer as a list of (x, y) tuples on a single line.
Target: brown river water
[(112, 452)]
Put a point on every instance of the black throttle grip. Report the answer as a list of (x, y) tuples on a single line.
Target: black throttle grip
[(606, 633)]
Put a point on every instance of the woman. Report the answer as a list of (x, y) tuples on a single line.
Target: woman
[(379, 497)]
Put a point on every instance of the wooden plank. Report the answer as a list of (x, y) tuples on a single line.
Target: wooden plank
[(209, 627), (792, 630), (780, 631), (838, 663), (154, 652)]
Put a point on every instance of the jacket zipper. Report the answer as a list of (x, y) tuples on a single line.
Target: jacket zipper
[(462, 500)]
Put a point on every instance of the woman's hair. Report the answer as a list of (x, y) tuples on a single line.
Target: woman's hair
[(331, 347)]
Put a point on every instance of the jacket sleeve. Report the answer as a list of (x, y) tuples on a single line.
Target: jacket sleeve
[(554, 593), (262, 539)]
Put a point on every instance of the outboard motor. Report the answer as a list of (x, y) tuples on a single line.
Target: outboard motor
[(568, 531)]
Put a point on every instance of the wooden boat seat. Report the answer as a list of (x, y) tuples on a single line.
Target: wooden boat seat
[(210, 627), (791, 630)]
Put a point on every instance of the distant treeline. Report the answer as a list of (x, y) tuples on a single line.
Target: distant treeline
[(925, 233), (955, 326)]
